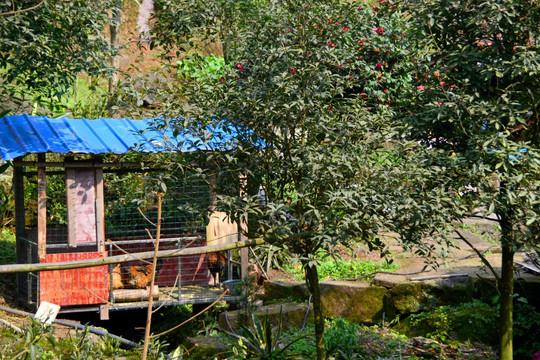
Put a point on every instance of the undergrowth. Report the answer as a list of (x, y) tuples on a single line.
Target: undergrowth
[(331, 269)]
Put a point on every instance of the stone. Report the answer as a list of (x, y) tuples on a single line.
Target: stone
[(280, 290), (207, 347), (293, 315), (354, 301), (413, 297)]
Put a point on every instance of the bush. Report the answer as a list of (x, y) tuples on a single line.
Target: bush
[(331, 269), (475, 321)]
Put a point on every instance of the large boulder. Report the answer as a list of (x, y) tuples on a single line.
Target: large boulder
[(354, 301), (207, 347), (293, 315), (282, 290), (413, 297)]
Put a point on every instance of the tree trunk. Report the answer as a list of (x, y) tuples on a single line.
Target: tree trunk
[(312, 282), (114, 29), (507, 292)]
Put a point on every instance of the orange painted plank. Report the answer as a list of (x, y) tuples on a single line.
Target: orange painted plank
[(77, 286)]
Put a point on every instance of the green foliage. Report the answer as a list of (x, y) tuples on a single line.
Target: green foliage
[(7, 246), (348, 340), (170, 316), (44, 50), (272, 256), (474, 112), (339, 269), (475, 321), (526, 330), (199, 68), (262, 341), (476, 101)]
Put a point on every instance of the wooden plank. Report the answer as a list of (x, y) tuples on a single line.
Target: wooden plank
[(100, 212), (130, 295), (81, 202), (42, 210), (78, 286), (220, 230)]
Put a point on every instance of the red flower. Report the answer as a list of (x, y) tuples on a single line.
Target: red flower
[(331, 44), (360, 8), (379, 31), (363, 95), (293, 70), (443, 83), (222, 79), (385, 90), (240, 67), (421, 88), (345, 28), (340, 66), (378, 66)]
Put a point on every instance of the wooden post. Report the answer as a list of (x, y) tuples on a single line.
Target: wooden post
[(18, 189), (100, 213), (244, 252), (42, 209), (71, 208), (151, 290)]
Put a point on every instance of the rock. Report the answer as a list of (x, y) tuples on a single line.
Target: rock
[(354, 301), (409, 298), (207, 347), (293, 315), (275, 290)]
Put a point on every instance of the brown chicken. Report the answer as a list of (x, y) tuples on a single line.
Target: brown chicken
[(217, 262), (139, 277), (255, 275), (117, 277)]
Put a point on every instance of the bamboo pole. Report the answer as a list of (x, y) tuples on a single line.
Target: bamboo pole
[(152, 280), (65, 265)]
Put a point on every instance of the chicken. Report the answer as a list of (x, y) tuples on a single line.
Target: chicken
[(217, 262), (255, 275), (141, 276), (117, 277)]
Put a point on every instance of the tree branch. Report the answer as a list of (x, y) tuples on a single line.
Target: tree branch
[(481, 256), (23, 10)]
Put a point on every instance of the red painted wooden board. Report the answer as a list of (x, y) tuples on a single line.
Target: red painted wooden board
[(77, 286)]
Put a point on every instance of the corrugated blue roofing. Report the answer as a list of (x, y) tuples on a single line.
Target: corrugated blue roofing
[(25, 134)]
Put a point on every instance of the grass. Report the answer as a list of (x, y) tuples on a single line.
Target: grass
[(331, 269)]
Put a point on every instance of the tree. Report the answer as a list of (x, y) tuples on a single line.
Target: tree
[(307, 94), (43, 50), (476, 110)]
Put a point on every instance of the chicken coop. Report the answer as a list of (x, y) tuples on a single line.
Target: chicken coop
[(72, 202)]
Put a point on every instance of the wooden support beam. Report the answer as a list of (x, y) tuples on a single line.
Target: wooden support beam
[(18, 268), (100, 212), (75, 164), (18, 189), (42, 209)]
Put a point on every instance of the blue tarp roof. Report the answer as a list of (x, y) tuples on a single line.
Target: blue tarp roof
[(25, 134)]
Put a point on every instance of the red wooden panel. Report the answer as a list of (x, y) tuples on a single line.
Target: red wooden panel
[(77, 286)]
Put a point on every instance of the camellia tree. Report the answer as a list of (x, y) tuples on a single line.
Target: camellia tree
[(475, 108), (44, 46), (308, 93)]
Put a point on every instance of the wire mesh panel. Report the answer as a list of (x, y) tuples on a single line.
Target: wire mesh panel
[(130, 218), (129, 207)]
